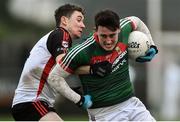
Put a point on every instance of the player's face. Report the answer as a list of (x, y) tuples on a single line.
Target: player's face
[(107, 38), (75, 24)]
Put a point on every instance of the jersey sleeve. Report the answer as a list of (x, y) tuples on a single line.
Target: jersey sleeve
[(127, 26), (73, 59), (58, 42), (78, 55)]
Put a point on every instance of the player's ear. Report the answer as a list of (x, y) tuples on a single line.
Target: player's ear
[(64, 20)]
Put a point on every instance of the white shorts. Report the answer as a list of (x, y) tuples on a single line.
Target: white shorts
[(130, 110)]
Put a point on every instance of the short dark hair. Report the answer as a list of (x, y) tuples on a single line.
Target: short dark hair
[(107, 18), (66, 10)]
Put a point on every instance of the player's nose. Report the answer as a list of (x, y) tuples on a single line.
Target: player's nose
[(83, 25)]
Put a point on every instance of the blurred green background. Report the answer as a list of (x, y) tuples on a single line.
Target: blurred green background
[(24, 22)]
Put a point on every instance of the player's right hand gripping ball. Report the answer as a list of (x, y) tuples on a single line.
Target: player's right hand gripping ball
[(85, 102), (101, 68)]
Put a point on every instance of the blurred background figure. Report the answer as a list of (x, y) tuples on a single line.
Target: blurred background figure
[(171, 91), (24, 21)]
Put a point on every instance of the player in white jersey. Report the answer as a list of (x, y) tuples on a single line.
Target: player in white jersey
[(34, 98)]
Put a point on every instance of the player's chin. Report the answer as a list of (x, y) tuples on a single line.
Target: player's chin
[(108, 48), (78, 36)]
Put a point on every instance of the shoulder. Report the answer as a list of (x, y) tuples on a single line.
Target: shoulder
[(87, 41), (59, 37), (60, 33), (82, 47), (134, 21), (129, 21)]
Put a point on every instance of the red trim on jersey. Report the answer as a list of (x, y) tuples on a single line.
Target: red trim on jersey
[(96, 37), (66, 38), (63, 34), (119, 49), (45, 74)]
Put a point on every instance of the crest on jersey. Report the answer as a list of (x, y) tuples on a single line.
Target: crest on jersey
[(118, 50), (65, 44)]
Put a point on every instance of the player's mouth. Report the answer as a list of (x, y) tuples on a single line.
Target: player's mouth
[(108, 46), (80, 32)]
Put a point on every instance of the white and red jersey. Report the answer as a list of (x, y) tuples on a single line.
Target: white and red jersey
[(33, 81)]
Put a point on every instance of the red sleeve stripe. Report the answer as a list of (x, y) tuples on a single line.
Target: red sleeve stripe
[(45, 74), (66, 36), (63, 35)]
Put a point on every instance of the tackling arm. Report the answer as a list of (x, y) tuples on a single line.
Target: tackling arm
[(57, 81)]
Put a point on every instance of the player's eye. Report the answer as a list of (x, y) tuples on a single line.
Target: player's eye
[(103, 35), (112, 35), (79, 19)]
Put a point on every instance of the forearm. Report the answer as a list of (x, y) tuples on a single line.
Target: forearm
[(83, 70), (59, 57), (140, 26), (57, 82)]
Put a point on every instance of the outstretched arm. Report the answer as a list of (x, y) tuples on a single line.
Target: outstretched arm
[(57, 81)]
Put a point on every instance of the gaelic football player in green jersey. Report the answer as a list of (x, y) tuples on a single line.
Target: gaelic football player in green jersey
[(112, 95)]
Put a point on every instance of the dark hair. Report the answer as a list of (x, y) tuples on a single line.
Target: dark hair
[(66, 10), (107, 18)]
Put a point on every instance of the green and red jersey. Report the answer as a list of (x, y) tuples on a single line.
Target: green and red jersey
[(113, 88)]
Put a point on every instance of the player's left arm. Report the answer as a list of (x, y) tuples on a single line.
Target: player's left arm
[(140, 26)]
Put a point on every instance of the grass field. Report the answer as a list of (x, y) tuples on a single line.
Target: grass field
[(7, 117)]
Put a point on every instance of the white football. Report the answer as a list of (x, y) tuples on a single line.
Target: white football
[(138, 44)]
